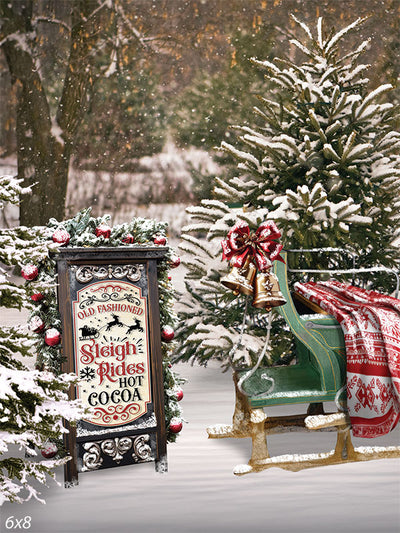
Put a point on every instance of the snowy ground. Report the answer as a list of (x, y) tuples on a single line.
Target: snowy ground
[(200, 494)]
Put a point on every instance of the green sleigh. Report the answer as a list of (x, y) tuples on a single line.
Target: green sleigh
[(318, 376)]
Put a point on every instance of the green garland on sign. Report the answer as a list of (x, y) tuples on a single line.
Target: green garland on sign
[(86, 231)]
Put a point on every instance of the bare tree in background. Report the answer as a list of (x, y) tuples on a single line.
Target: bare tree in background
[(98, 38), (45, 136)]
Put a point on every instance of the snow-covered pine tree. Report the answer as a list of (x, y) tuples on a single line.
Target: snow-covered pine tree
[(325, 166), (32, 403)]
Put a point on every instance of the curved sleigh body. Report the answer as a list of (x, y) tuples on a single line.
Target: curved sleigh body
[(317, 377)]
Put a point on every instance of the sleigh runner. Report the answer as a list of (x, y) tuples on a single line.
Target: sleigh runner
[(318, 376)]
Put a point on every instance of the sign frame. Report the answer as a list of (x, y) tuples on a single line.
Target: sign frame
[(117, 439)]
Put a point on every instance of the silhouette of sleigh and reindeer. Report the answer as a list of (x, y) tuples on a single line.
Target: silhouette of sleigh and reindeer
[(89, 332)]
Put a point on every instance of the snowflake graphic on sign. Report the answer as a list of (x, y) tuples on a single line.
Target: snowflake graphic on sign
[(87, 373)]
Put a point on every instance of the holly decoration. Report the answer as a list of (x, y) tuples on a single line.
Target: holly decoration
[(128, 239), (52, 337), (29, 272), (49, 451), (37, 297)]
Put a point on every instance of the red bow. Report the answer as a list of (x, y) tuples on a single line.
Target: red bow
[(261, 246)]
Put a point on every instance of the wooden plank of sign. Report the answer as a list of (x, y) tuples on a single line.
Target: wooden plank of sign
[(70, 468), (156, 362)]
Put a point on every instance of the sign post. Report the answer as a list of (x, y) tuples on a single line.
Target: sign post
[(108, 300)]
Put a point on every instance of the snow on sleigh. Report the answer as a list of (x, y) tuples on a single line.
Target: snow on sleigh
[(327, 352)]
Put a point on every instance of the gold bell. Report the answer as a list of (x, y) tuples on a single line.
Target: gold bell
[(267, 293), (240, 280)]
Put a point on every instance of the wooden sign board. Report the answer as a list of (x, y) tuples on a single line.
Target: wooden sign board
[(108, 300)]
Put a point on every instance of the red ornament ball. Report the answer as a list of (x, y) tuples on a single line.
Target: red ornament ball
[(49, 451), (167, 333), (52, 337), (175, 426), (37, 297), (103, 231), (29, 272), (160, 240), (36, 324), (128, 239), (175, 261), (61, 236), (178, 394)]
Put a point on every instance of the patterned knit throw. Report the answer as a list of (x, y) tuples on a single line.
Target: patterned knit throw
[(371, 327)]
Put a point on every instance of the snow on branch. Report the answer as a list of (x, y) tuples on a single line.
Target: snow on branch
[(319, 32), (372, 95), (21, 40), (197, 245), (135, 32), (51, 21), (301, 47), (106, 4), (265, 64), (245, 157), (343, 32), (303, 25), (10, 190)]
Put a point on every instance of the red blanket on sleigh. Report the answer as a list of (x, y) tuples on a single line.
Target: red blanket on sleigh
[(371, 327)]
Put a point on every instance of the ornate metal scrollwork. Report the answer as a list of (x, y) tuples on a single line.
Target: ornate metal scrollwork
[(92, 459), (132, 272), (86, 273), (116, 449), (141, 448)]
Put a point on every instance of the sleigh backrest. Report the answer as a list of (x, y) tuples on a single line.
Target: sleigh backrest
[(319, 338)]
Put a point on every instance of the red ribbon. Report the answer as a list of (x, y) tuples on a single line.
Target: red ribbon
[(260, 245)]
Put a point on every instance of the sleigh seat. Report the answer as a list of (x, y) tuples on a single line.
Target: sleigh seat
[(318, 376)]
